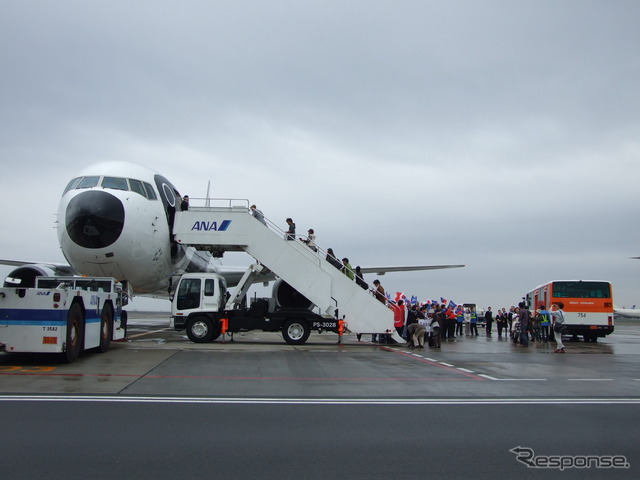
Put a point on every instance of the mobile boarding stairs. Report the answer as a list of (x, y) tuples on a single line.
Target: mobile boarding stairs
[(233, 228)]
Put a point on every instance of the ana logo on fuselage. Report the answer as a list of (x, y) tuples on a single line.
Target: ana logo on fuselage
[(211, 226)]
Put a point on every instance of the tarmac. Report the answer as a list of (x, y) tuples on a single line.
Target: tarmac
[(157, 360)]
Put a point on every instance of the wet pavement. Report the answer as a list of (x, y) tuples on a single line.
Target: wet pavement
[(158, 361)]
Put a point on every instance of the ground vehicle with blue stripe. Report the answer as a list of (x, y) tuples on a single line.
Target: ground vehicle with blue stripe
[(62, 315)]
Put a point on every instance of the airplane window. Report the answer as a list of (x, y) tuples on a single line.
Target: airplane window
[(116, 183), (151, 194), (88, 182), (72, 184), (136, 186)]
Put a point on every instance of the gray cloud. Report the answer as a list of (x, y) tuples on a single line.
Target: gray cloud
[(498, 134)]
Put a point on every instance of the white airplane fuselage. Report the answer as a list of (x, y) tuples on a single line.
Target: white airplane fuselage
[(626, 312), (114, 220)]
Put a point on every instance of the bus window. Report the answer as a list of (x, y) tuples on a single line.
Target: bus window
[(581, 290), (116, 183)]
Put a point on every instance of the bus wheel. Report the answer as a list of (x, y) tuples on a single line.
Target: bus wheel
[(296, 332), (75, 323), (106, 329), (202, 329)]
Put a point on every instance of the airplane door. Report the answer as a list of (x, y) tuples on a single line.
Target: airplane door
[(169, 196)]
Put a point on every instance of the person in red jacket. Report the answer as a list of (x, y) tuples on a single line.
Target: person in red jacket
[(399, 316)]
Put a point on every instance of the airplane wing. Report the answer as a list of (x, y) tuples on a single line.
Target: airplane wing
[(20, 263), (411, 268), (15, 263)]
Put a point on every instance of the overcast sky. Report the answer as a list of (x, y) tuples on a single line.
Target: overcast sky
[(504, 135)]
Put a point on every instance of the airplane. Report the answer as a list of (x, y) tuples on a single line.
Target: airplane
[(115, 219), (626, 312)]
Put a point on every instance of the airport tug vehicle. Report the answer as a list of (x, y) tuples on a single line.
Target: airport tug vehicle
[(62, 315)]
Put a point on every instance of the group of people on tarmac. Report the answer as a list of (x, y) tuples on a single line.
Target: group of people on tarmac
[(422, 324), (524, 326), (431, 324), (540, 326)]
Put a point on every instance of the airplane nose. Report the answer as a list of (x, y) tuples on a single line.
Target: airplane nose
[(94, 219)]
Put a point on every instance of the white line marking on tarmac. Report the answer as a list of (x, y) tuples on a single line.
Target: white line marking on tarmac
[(590, 379), (521, 379), (465, 370), (323, 401), (445, 364), (487, 376)]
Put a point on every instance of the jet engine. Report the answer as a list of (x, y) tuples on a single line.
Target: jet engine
[(287, 296), (25, 276)]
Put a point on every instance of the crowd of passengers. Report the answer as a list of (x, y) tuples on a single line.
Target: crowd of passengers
[(431, 324)]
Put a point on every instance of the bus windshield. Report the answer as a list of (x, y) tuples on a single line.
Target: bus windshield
[(581, 289)]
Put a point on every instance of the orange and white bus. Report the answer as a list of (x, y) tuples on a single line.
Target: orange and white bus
[(588, 305)]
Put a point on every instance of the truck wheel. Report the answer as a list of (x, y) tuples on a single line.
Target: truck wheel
[(296, 332), (75, 332), (106, 329), (202, 329)]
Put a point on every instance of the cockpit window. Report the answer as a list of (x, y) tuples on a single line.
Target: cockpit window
[(72, 184), (136, 186), (151, 195), (88, 182), (116, 183)]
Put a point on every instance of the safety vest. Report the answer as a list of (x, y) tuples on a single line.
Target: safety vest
[(545, 319), (398, 315)]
